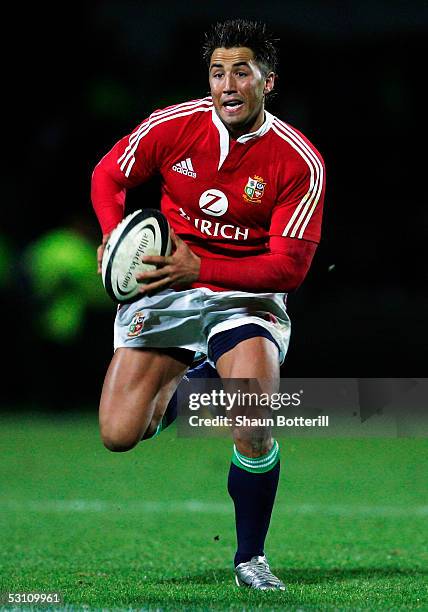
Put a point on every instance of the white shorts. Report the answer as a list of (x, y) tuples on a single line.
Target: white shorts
[(188, 319)]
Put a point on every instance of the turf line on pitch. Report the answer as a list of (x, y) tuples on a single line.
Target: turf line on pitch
[(202, 507)]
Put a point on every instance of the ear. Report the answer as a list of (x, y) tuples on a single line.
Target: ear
[(269, 83)]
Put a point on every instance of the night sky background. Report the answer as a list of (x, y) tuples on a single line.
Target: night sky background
[(351, 78)]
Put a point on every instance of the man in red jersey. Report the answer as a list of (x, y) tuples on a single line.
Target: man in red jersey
[(243, 193)]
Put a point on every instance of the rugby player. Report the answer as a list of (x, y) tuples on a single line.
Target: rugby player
[(243, 192)]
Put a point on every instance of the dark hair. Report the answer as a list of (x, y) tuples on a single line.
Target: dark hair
[(243, 33)]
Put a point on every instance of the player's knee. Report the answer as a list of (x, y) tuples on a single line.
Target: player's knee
[(119, 441), (119, 445), (252, 441)]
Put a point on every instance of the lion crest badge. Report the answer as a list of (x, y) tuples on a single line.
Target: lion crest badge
[(254, 189), (137, 325)]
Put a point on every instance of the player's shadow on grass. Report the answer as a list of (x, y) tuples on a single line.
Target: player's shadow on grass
[(302, 576)]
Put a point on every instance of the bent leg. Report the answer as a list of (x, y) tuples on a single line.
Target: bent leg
[(137, 388)]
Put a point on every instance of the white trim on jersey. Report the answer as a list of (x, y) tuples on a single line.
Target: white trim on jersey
[(307, 205), (225, 137), (159, 113), (187, 108), (182, 106), (263, 129)]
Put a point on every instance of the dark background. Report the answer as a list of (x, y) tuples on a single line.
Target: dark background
[(351, 77)]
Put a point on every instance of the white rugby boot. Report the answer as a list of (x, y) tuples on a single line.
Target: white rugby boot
[(256, 574)]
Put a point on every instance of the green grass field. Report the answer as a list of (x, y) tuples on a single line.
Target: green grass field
[(153, 529)]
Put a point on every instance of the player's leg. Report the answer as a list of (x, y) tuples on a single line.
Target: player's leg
[(201, 370), (254, 471), (138, 386), (254, 362), (139, 398)]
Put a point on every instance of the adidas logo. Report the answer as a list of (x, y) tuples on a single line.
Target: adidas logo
[(185, 167)]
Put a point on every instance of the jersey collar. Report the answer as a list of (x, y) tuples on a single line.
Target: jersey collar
[(225, 138)]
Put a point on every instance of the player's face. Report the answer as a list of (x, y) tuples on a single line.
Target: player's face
[(238, 89)]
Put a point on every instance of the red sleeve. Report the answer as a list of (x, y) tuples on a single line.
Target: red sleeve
[(132, 160), (298, 212), (107, 194), (281, 270)]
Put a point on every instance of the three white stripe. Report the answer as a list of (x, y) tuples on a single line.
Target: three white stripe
[(307, 205), (161, 113), (127, 160), (187, 164), (259, 462)]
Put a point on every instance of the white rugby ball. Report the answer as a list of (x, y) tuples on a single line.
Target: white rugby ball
[(143, 232)]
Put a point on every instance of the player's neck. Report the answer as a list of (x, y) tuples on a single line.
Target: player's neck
[(248, 128)]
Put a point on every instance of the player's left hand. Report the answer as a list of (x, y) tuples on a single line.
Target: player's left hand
[(100, 252), (182, 267)]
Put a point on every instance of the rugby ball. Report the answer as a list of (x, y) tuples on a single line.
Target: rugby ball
[(143, 232)]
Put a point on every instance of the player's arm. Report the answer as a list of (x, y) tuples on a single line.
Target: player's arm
[(108, 193), (282, 269), (109, 185), (132, 160)]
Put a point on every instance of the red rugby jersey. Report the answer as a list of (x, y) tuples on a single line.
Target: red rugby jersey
[(226, 198)]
